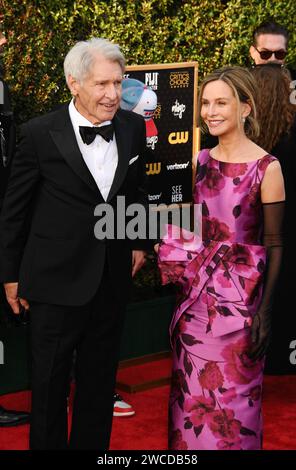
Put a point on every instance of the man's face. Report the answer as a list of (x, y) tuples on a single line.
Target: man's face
[(268, 42), (97, 96)]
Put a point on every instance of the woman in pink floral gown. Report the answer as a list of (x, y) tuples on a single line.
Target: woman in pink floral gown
[(221, 326)]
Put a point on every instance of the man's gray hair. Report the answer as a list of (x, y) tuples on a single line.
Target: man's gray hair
[(79, 60)]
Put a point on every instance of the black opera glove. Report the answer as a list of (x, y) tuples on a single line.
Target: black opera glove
[(273, 214), (260, 334)]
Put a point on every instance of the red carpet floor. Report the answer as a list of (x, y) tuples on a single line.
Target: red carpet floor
[(147, 430)]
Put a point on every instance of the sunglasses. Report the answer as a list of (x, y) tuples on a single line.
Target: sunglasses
[(265, 55)]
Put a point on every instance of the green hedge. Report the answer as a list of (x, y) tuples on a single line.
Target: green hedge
[(211, 32)]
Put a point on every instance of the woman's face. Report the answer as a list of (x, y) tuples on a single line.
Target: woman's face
[(219, 109)]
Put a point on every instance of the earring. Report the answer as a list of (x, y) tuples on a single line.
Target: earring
[(243, 120)]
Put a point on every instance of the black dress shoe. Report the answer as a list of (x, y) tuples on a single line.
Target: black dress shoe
[(13, 418)]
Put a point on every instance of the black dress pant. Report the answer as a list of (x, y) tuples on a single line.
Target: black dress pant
[(94, 331)]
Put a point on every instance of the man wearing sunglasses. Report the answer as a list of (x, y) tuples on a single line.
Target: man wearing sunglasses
[(270, 42)]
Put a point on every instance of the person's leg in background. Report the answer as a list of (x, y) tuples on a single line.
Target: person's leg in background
[(121, 408), (9, 417)]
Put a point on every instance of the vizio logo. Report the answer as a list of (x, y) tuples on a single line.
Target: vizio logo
[(293, 353)]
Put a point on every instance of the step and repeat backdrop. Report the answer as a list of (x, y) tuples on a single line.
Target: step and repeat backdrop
[(167, 98)]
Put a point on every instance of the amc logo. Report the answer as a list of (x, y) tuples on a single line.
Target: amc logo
[(153, 168), (178, 137)]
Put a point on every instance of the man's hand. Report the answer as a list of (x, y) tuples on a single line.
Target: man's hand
[(14, 301), (156, 248), (138, 260)]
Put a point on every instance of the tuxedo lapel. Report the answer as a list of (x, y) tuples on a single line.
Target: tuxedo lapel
[(64, 137), (123, 141)]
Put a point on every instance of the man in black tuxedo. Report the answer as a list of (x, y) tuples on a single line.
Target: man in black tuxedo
[(68, 162), (7, 129), (7, 147)]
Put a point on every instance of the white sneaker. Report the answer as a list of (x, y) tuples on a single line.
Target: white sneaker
[(121, 407)]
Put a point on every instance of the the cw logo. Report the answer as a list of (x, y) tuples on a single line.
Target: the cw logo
[(178, 137), (153, 168)]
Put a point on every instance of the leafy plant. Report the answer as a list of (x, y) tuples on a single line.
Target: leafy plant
[(212, 32)]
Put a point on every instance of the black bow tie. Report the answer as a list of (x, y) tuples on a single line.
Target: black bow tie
[(88, 134)]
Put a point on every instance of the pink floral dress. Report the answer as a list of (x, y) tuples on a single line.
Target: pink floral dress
[(215, 400)]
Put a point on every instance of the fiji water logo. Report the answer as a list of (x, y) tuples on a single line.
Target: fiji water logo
[(151, 80)]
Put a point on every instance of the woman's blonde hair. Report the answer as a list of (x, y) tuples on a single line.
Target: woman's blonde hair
[(244, 88)]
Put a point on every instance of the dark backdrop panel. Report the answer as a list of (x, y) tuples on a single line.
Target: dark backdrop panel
[(169, 165)]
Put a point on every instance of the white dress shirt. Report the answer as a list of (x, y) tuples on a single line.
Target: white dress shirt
[(101, 157)]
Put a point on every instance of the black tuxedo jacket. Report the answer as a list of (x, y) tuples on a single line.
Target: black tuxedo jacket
[(47, 221), (8, 131)]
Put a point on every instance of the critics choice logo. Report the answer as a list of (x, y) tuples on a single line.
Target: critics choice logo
[(179, 79)]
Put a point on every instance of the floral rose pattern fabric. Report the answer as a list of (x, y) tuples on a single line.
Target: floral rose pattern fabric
[(215, 400)]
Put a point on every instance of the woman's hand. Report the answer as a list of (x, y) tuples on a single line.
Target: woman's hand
[(261, 334)]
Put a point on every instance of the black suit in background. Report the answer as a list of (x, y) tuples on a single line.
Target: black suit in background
[(283, 311), (7, 148), (7, 138), (77, 285)]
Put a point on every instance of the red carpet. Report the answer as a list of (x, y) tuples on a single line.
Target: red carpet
[(147, 430), (144, 376)]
